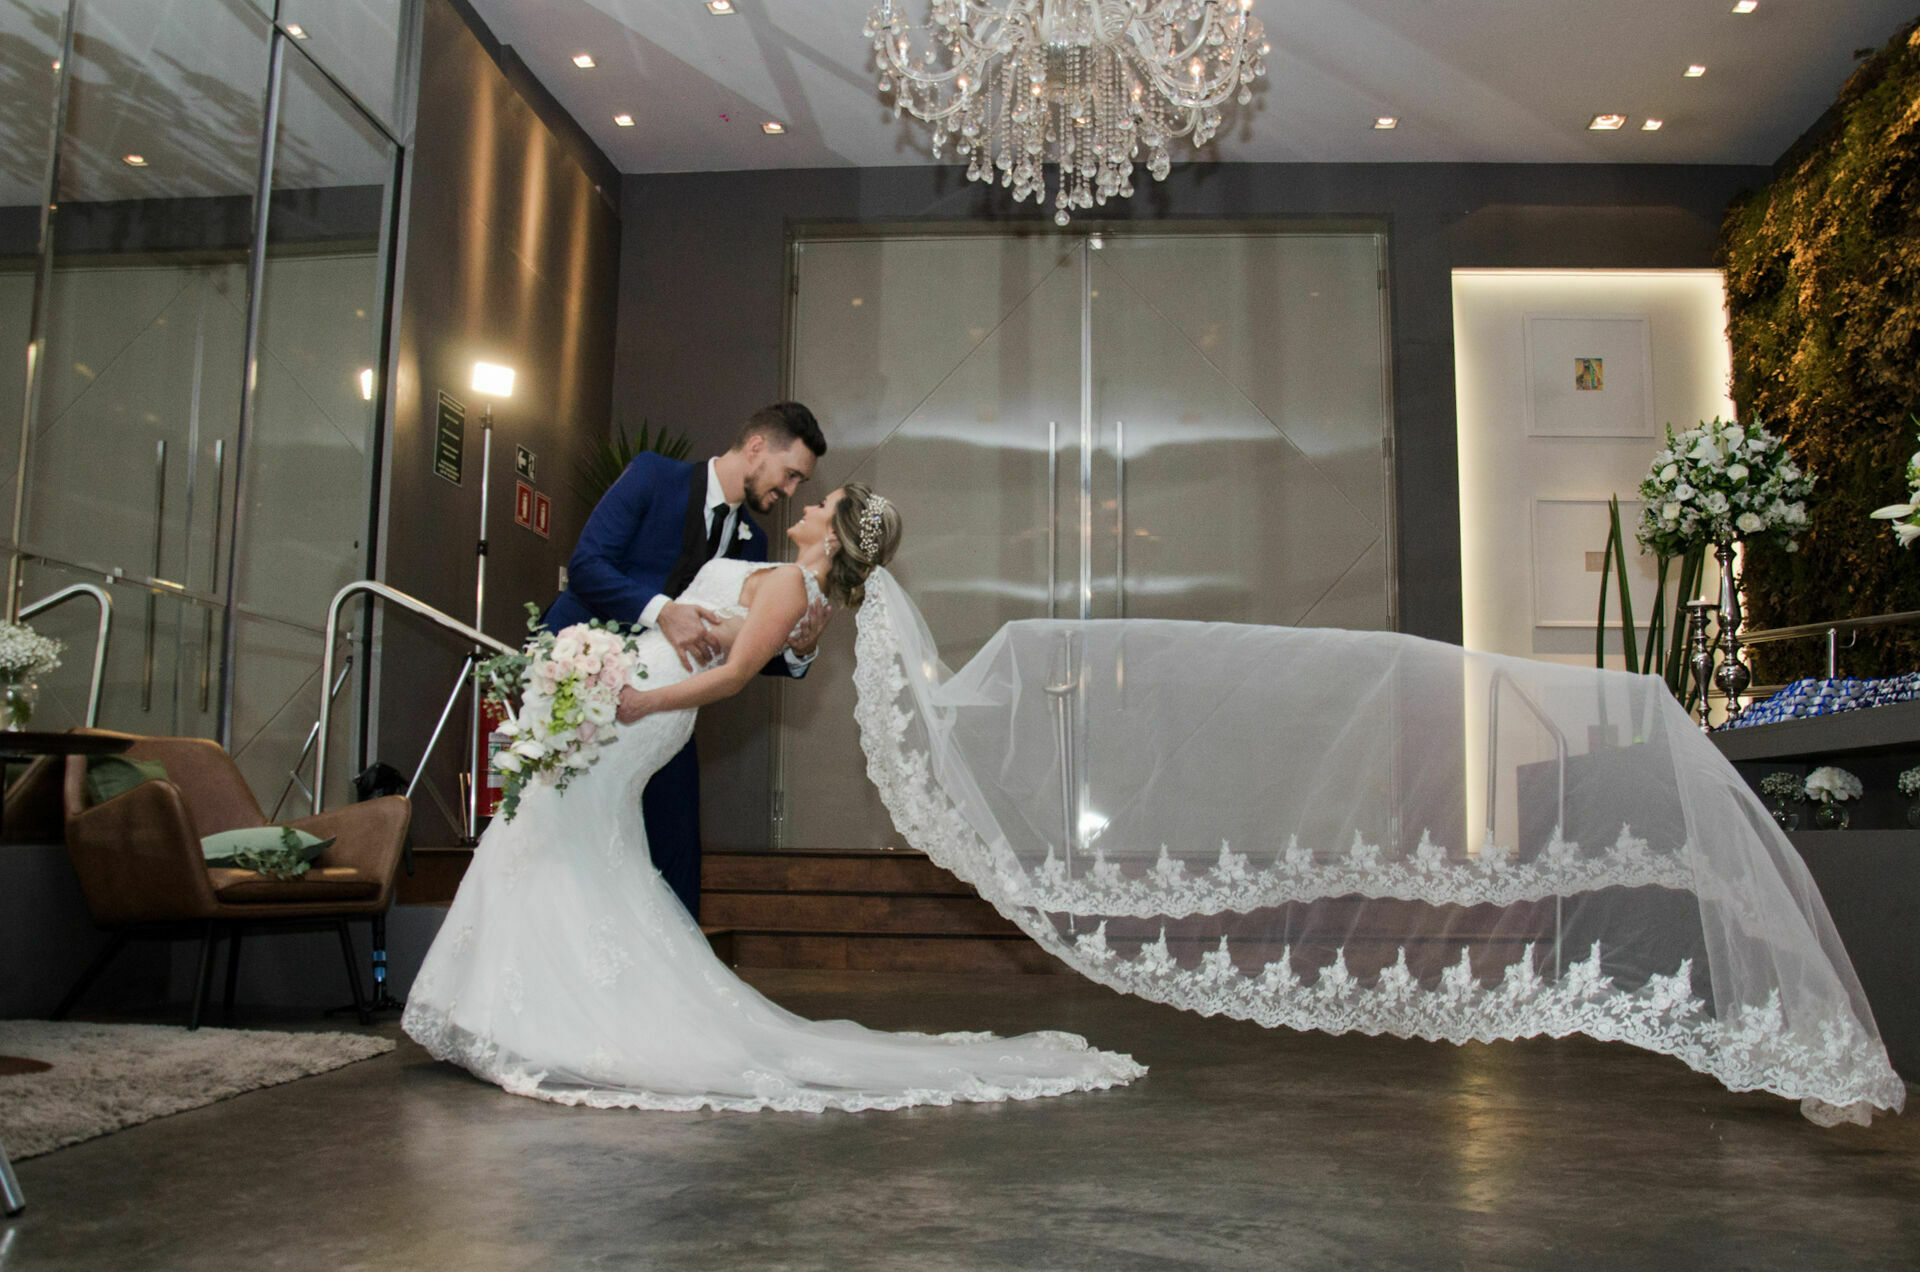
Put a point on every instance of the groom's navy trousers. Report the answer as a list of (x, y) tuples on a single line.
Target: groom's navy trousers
[(647, 537)]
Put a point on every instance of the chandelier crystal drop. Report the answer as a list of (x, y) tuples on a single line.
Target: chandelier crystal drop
[(1084, 85)]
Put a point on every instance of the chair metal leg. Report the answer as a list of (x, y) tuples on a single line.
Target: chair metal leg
[(233, 970), (360, 1006), (99, 965), (11, 1198), (203, 978)]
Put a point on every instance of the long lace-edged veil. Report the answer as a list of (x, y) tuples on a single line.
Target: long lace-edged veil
[(1368, 831)]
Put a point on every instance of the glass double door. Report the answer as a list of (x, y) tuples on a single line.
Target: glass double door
[(1159, 425), (199, 398)]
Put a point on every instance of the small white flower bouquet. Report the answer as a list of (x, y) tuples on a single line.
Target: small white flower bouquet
[(1909, 782), (1905, 516), (1720, 483), (25, 653), (569, 687), (1828, 784)]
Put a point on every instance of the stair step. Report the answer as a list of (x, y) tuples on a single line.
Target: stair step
[(850, 912), (889, 872), (861, 953)]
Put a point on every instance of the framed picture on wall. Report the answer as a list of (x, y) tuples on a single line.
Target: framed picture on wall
[(1589, 375), (1569, 547)]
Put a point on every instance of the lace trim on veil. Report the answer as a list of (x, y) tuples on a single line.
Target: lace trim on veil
[(1750, 1047)]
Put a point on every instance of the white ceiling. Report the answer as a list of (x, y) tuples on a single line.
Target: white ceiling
[(1505, 81)]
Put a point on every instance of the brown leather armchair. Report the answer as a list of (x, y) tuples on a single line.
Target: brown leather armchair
[(143, 874)]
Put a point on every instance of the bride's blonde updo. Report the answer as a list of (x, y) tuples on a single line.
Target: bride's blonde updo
[(868, 528)]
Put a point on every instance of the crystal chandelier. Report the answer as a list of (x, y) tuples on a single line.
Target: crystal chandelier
[(1080, 84)]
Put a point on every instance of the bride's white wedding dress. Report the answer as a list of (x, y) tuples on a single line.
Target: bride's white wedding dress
[(567, 970)]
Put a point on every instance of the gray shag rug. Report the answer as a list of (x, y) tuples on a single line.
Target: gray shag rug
[(104, 1078)]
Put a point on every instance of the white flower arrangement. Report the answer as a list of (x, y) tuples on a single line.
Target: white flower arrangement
[(1720, 483), (25, 652), (1785, 786), (1909, 782), (569, 689), (1905, 516), (1829, 785)]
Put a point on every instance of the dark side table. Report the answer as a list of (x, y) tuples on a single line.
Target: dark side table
[(26, 744)]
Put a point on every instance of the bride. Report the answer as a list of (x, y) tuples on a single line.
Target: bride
[(566, 970)]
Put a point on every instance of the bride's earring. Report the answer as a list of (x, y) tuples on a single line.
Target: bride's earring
[(831, 544)]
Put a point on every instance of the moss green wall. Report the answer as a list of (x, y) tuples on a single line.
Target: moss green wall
[(1823, 294)]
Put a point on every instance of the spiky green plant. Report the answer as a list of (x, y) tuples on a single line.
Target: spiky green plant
[(596, 472), (1665, 654)]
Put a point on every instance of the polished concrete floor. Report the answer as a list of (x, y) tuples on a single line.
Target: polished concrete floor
[(1243, 1148)]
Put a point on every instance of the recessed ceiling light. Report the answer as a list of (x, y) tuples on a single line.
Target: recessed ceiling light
[(1653, 125), (583, 60), (297, 31), (720, 7), (1385, 123), (1607, 123), (135, 161), (1696, 71), (1746, 6), (625, 121), (773, 128)]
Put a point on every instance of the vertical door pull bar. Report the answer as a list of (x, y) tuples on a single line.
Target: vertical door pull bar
[(1053, 517), (153, 598), (1120, 518), (206, 615)]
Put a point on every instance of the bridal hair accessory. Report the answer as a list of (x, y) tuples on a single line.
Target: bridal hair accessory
[(870, 525)]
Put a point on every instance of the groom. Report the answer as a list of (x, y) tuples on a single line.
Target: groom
[(648, 536)]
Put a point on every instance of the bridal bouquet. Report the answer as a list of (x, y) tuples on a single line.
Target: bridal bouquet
[(569, 686), (1719, 483)]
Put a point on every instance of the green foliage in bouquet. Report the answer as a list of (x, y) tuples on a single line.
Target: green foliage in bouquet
[(595, 474), (1823, 299), (1665, 654)]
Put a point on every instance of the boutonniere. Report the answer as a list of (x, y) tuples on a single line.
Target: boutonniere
[(742, 531)]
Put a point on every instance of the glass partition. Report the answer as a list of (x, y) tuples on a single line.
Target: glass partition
[(173, 342)]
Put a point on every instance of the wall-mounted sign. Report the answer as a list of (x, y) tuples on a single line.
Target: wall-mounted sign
[(449, 439), (542, 515), (523, 460), (523, 505)]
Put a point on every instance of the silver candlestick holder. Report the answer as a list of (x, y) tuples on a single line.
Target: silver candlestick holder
[(1732, 675), (1700, 652)]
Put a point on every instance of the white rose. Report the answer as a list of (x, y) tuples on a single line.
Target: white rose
[(1736, 472), (1670, 513), (1750, 524), (1669, 472), (1716, 502)]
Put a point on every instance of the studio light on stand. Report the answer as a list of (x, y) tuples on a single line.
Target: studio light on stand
[(490, 381)]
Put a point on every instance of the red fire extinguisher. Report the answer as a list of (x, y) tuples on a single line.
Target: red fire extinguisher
[(492, 715)]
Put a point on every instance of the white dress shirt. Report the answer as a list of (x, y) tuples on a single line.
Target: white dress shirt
[(716, 498)]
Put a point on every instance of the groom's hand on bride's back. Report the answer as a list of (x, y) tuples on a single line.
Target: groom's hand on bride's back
[(685, 625), (807, 634)]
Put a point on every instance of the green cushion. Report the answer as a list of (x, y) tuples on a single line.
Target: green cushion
[(110, 775), (280, 851)]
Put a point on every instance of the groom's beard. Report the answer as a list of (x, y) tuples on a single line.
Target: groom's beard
[(757, 499)]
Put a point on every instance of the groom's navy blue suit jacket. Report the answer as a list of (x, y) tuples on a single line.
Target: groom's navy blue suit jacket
[(647, 537)]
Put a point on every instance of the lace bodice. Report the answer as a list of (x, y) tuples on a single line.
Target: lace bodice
[(720, 581)]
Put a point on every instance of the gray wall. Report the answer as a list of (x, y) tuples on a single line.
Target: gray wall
[(702, 267), (511, 257)]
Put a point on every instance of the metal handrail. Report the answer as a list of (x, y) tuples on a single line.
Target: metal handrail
[(397, 597), (99, 594), (1831, 630)]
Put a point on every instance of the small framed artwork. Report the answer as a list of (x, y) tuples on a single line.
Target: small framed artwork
[(1589, 375), (1569, 558)]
